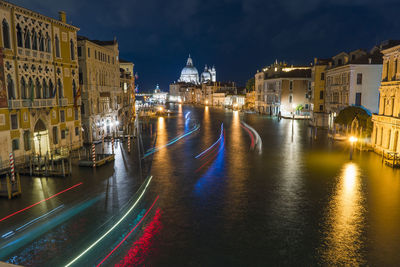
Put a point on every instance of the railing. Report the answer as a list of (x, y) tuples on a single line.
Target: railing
[(14, 103), (63, 102)]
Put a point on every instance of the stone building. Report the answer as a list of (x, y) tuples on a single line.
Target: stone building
[(39, 98), (99, 73), (385, 134)]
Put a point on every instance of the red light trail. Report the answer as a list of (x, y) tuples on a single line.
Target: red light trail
[(123, 240), (37, 203)]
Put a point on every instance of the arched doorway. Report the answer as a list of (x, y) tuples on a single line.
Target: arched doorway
[(41, 138)]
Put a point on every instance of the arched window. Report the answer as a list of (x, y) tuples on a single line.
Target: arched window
[(10, 87), (71, 43), (34, 40), (24, 94), (45, 89), (30, 88), (38, 88), (19, 36), (57, 44), (6, 34), (48, 43), (60, 89), (51, 89), (73, 88), (41, 41), (27, 38)]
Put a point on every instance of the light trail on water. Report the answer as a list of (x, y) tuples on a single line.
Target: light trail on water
[(112, 228), (219, 139)]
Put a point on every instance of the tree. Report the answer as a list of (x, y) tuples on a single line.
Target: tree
[(250, 84), (347, 115)]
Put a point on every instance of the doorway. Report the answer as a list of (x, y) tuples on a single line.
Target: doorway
[(41, 138)]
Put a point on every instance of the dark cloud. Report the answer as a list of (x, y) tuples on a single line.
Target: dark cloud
[(238, 36)]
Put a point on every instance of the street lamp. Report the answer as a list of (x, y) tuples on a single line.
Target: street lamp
[(352, 140)]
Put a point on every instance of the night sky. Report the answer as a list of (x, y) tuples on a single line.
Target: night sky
[(238, 37)]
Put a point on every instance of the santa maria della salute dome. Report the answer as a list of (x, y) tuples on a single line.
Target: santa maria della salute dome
[(189, 74)]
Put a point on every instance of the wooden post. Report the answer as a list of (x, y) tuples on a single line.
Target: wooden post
[(102, 142), (70, 164), (129, 144), (19, 183), (30, 165), (12, 167), (112, 144), (94, 155), (45, 165), (52, 162)]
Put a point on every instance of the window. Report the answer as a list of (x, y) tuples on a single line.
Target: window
[(71, 44), (322, 76), (45, 93), (57, 44), (63, 134), (83, 109), (321, 107), (321, 95), (291, 85), (10, 87), (41, 42), (306, 106), (34, 40), (339, 62), (30, 88), (14, 121), (55, 135), (290, 99), (19, 36), (358, 99), (27, 140), (48, 43), (95, 54), (62, 115), (79, 51), (395, 69), (359, 78), (15, 144), (24, 93), (6, 34), (76, 131), (51, 90), (76, 114), (309, 86), (88, 52), (27, 38), (60, 89), (73, 88), (38, 89)]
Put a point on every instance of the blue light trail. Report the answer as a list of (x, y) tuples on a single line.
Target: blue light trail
[(219, 139)]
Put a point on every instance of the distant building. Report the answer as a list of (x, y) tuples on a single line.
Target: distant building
[(126, 100), (283, 89), (385, 134), (189, 74)]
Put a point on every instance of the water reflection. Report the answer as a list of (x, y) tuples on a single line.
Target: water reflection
[(345, 220)]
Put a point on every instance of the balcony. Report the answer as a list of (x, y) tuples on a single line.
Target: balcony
[(63, 102), (15, 103), (27, 103)]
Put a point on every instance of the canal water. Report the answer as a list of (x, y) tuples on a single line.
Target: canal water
[(221, 196)]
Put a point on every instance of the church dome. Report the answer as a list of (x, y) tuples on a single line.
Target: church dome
[(189, 73), (206, 76)]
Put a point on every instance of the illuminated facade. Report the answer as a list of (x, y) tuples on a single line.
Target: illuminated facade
[(127, 99), (353, 79), (99, 72), (318, 117), (283, 89), (385, 135), (39, 100)]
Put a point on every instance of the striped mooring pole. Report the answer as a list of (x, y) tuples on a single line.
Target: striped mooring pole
[(12, 167), (112, 144), (94, 155), (129, 144)]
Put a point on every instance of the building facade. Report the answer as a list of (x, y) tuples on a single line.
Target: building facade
[(283, 89), (39, 98), (319, 117), (126, 99), (99, 72), (386, 123), (353, 79)]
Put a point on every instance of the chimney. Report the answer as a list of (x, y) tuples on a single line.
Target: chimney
[(62, 16), (369, 60), (315, 61)]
